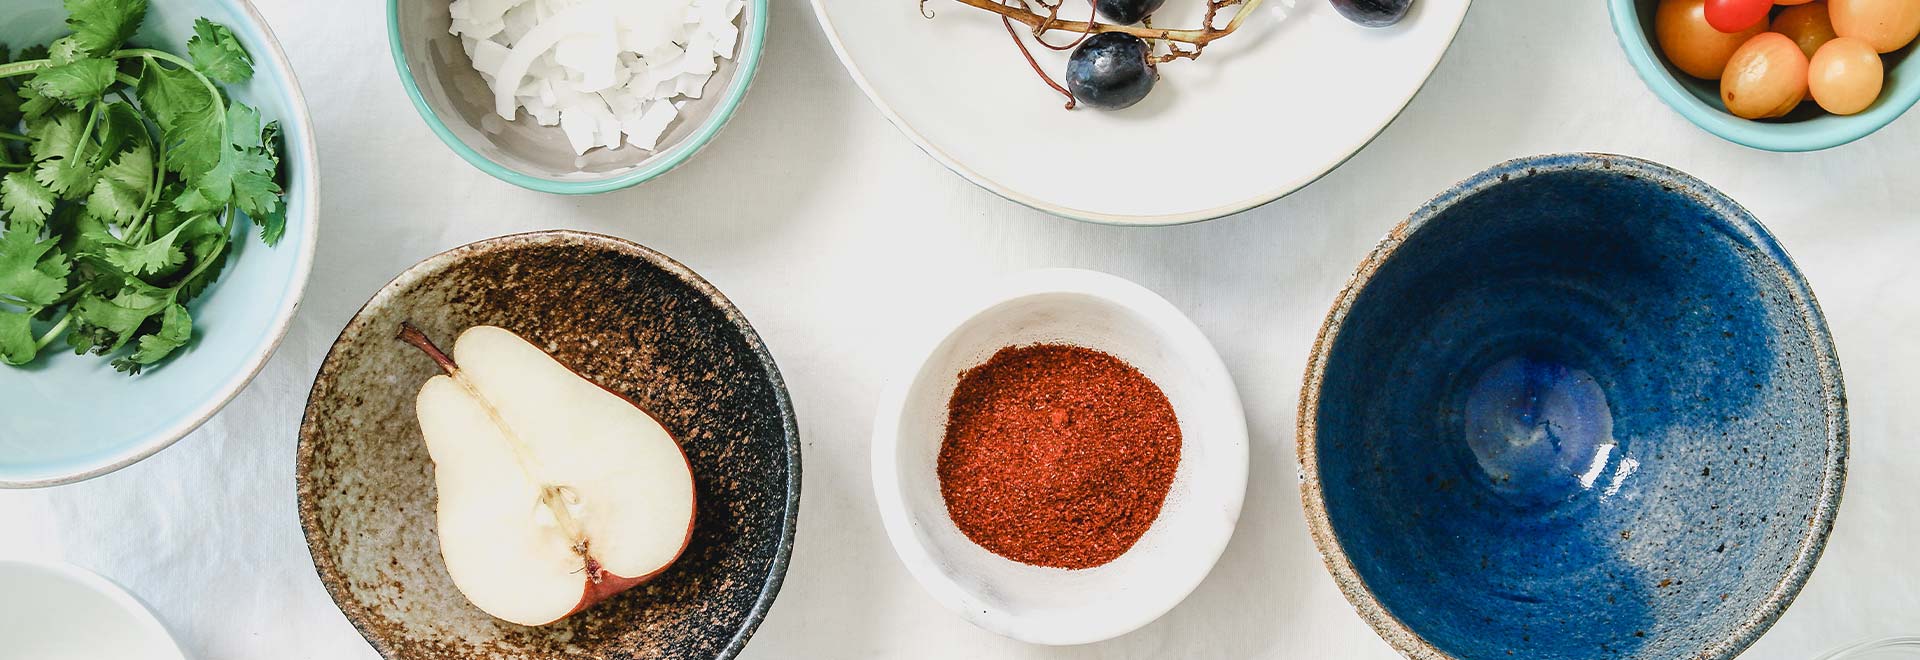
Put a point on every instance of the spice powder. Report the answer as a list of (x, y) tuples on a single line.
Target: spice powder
[(1057, 455)]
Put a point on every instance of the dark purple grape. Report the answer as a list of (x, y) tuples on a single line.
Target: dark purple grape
[(1373, 13), (1127, 12), (1110, 71)]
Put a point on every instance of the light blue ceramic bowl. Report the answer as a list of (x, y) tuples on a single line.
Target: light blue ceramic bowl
[(458, 106), (1806, 129), (65, 418)]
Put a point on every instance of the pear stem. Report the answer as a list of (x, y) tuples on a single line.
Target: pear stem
[(551, 496), (418, 339)]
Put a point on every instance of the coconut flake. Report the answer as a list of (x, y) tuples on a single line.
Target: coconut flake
[(591, 60), (644, 132), (517, 23), (690, 85), (606, 72), (488, 57), (580, 129)]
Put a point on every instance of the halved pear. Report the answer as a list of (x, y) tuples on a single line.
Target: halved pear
[(554, 493)]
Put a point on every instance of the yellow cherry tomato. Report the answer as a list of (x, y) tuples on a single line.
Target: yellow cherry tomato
[(1806, 25), (1887, 25), (1766, 77), (1845, 76), (1691, 44)]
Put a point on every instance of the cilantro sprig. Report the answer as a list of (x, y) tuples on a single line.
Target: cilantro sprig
[(124, 175)]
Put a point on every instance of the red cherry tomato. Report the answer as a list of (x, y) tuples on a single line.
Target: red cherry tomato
[(1736, 15)]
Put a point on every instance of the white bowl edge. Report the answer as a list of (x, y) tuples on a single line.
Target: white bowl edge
[(142, 618)]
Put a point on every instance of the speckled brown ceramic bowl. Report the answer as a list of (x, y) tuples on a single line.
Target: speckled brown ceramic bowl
[(625, 316)]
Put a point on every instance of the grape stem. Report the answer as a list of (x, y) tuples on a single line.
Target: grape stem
[(1053, 15), (1196, 37), (1036, 65)]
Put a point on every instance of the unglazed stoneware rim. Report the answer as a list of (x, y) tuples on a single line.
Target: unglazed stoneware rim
[(1833, 475), (1204, 365), (753, 42), (299, 128), (1100, 218), (334, 580)]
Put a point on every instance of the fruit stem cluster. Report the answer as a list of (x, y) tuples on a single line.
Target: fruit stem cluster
[(1200, 36), (1071, 101)]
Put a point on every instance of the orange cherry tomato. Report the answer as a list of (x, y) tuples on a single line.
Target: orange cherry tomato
[(1735, 16), (1806, 25), (1766, 78), (1887, 25), (1693, 46), (1845, 76)]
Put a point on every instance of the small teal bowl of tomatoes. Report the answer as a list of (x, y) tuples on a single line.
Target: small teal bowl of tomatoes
[(1787, 75)]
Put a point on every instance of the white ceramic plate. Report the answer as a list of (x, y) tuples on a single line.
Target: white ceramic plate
[(1265, 111), (1050, 605), (61, 612)]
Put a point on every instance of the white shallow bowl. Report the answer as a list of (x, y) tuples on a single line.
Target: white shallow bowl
[(1051, 605), (1262, 113), (61, 612)]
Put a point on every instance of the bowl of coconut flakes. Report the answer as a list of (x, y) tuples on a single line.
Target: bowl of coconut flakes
[(576, 96)]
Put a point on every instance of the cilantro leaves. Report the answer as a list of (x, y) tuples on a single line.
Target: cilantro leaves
[(123, 175), (75, 83), (32, 273), (26, 201), (218, 53), (99, 26)]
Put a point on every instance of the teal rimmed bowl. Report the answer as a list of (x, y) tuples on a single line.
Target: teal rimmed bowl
[(1807, 128), (66, 417), (458, 106)]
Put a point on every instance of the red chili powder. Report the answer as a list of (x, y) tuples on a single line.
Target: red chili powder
[(1057, 455)]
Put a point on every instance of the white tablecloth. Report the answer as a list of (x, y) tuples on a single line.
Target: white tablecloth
[(826, 226)]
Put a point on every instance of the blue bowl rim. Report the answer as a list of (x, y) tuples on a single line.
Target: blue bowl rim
[(1833, 476), (267, 51), (752, 43), (1765, 135)]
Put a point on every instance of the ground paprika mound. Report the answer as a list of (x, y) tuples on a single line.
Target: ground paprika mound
[(1057, 455)]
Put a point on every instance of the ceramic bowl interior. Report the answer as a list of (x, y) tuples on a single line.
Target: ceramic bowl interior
[(237, 322), (458, 106), (1051, 605), (1807, 128), (955, 84), (1581, 406), (60, 612), (634, 322)]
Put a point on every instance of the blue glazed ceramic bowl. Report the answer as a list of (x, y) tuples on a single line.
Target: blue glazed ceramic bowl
[(1805, 129), (56, 427), (1579, 406)]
